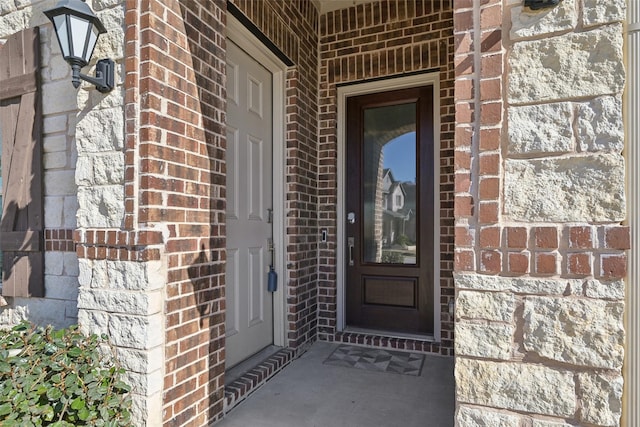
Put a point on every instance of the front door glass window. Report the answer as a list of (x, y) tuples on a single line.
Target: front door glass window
[(389, 185)]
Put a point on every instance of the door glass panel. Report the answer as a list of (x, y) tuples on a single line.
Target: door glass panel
[(389, 180)]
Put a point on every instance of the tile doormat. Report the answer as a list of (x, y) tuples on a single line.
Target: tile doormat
[(376, 359)]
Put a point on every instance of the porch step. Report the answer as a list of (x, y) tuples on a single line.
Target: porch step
[(250, 381)]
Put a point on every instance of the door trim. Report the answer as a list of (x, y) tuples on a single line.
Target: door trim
[(243, 37), (363, 89)]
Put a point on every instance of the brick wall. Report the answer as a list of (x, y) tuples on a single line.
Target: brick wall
[(540, 250), (384, 39)]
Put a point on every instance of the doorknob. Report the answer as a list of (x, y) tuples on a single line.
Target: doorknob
[(351, 217)]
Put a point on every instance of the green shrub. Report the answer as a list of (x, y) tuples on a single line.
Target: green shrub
[(60, 378), (392, 257), (403, 240)]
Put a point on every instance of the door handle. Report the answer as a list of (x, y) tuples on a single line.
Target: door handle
[(351, 242)]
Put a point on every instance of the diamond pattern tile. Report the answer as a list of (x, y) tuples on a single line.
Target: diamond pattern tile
[(379, 360)]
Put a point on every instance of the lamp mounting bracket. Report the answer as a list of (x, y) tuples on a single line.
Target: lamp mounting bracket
[(104, 79)]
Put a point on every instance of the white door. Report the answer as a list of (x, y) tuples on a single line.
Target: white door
[(249, 322)]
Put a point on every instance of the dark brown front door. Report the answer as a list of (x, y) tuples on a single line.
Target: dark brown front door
[(389, 205)]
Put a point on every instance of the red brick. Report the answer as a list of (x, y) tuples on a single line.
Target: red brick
[(491, 17), (491, 90), (489, 164), (464, 260), (491, 41), (463, 237), (463, 136), (490, 262), (463, 90), (462, 182), (581, 237), (518, 262), (490, 237), (464, 112), (617, 237), (546, 237), (489, 188), (491, 66), (463, 206), (546, 263), (579, 264), (613, 266), (490, 113), (462, 160), (462, 21), (488, 212), (516, 237), (490, 139)]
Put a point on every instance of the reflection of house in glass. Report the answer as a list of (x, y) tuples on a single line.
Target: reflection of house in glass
[(399, 215)]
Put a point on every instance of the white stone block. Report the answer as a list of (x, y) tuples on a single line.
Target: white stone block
[(136, 332), (53, 206), (69, 212), (519, 285), (497, 306), (144, 384), (544, 128), (55, 143), (53, 263), (545, 423), (515, 386), (54, 160), (44, 311), (475, 417), (600, 126), (61, 287), (141, 361), (605, 290), (59, 182), (93, 322), (58, 97), (485, 340), (596, 12), (71, 312), (100, 130), (576, 331), (600, 396), (581, 189), (101, 206), (530, 23), (15, 21), (57, 123), (100, 169), (585, 64), (71, 264), (117, 301)]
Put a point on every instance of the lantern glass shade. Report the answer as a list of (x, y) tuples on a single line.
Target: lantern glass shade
[(77, 29)]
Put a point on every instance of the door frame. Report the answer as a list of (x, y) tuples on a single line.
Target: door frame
[(247, 41), (344, 92)]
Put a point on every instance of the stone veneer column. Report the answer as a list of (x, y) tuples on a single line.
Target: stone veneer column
[(121, 272), (540, 252)]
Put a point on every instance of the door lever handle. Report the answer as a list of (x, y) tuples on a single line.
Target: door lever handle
[(351, 242)]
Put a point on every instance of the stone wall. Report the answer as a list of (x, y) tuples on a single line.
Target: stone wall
[(60, 114), (540, 249)]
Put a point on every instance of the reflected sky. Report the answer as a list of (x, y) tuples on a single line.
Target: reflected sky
[(399, 156)]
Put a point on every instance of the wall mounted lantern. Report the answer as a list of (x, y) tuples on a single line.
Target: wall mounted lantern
[(78, 29), (540, 4)]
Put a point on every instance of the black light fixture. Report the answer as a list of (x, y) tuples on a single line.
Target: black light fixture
[(78, 29), (540, 4)]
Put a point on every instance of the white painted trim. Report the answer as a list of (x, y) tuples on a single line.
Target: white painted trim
[(250, 44), (631, 371), (371, 87)]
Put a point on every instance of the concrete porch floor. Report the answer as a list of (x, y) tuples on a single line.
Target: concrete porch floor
[(310, 393)]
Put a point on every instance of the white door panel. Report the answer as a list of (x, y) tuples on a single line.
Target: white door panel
[(249, 321)]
